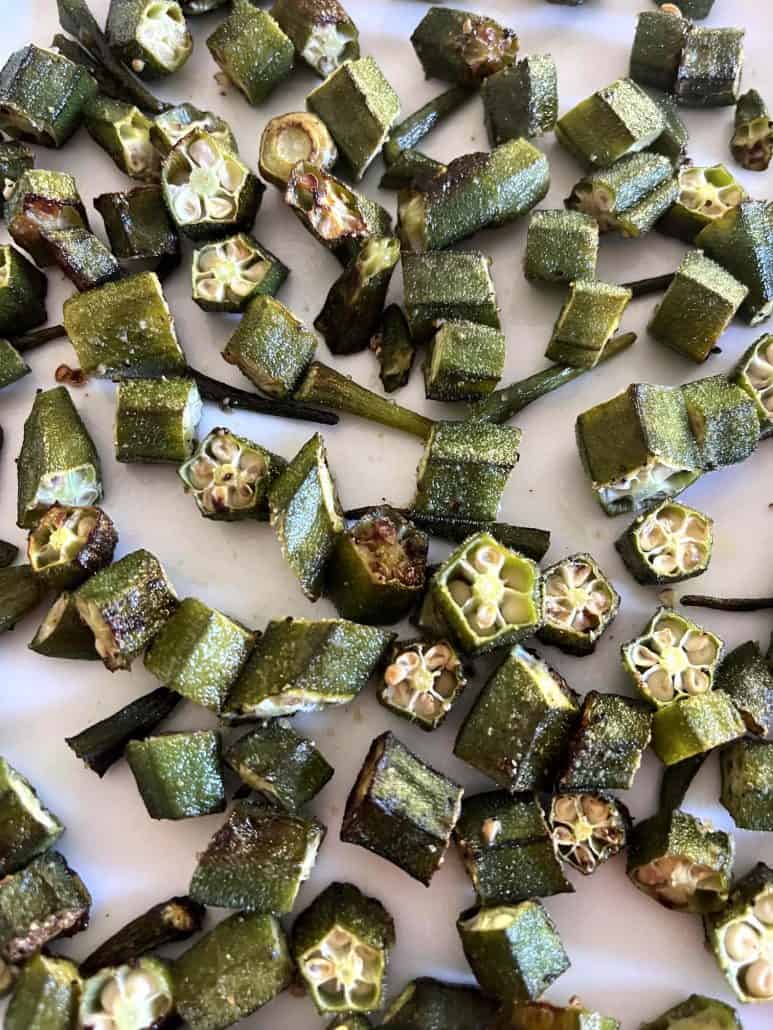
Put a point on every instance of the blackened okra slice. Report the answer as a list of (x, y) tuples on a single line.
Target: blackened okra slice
[(290, 138), (448, 285), (465, 360), (82, 256), (588, 320), (709, 72), (169, 127), (507, 849), (227, 274), (518, 729), (43, 200), (15, 159), (667, 544), (138, 994), (156, 420), (150, 36), (45, 996), (705, 194), (271, 347), (70, 544), (540, 1015), (395, 349), (587, 828), (429, 1004), (754, 374), (747, 783), (179, 775), (521, 100), (27, 828), (741, 936), (630, 196), (681, 862), (123, 132), (139, 229), (697, 1010), (252, 51), (63, 633), (281, 765), (695, 725), (22, 293), (579, 603), (747, 678), (462, 47), (323, 34), (341, 945), (607, 744), (561, 246), (421, 680), (657, 48), (752, 142), (257, 860)]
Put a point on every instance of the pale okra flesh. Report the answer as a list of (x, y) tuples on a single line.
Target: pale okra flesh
[(63, 633), (754, 374), (587, 828), (27, 827), (43, 200), (322, 32), (421, 681), (123, 132), (667, 544), (462, 47), (705, 193), (741, 936), (227, 274), (541, 1015), (140, 993), (579, 603), (151, 36), (293, 137), (70, 544)]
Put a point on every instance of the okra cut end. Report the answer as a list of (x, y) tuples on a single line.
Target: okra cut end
[(252, 51), (227, 274), (587, 828), (322, 32), (667, 544), (579, 603), (741, 933), (70, 544), (27, 828), (150, 36), (169, 127), (705, 194), (421, 680), (462, 47), (123, 132), (140, 993), (293, 137), (752, 142)]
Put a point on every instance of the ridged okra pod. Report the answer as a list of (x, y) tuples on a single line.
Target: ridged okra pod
[(341, 945), (178, 775), (673, 140), (741, 934), (465, 360), (587, 828), (754, 374), (521, 101), (667, 544), (58, 461), (462, 47), (15, 159), (394, 348), (82, 256), (156, 420), (293, 137), (137, 994), (588, 320), (139, 229), (752, 142), (169, 127), (271, 347), (630, 196), (747, 767), (123, 132), (747, 678), (694, 726), (63, 633), (476, 191), (561, 246), (40, 201), (579, 603), (412, 130), (429, 1004), (70, 544), (657, 48), (710, 67), (421, 680), (152, 38), (20, 591), (13, 367), (741, 241), (252, 51), (707, 1011), (323, 34), (22, 293), (723, 421), (536, 1015), (281, 765), (409, 169), (227, 274), (27, 827), (45, 996), (448, 285), (607, 743)]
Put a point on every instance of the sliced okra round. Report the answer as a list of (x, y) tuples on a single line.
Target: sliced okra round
[(694, 726), (151, 36), (327, 207), (741, 936), (322, 32), (70, 544), (657, 47), (561, 246), (578, 604), (461, 47), (169, 127), (123, 131), (587, 829), (752, 142), (754, 374), (421, 681), (705, 194), (668, 544), (293, 137), (227, 274), (139, 994)]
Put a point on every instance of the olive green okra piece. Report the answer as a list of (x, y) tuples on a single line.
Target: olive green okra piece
[(747, 678), (22, 293), (747, 768), (252, 51), (462, 47), (476, 191), (139, 229), (20, 591), (13, 367), (410, 168), (42, 200), (507, 849), (465, 360), (697, 1010), (271, 347), (430, 1004), (290, 138), (754, 374), (695, 725), (83, 257), (453, 285), (123, 132), (412, 129), (227, 274), (323, 34), (230, 972), (27, 828), (169, 127), (630, 196), (677, 780), (151, 37), (257, 860), (421, 680), (341, 946), (540, 1015), (156, 420), (741, 241), (673, 140), (179, 775), (63, 633), (723, 421), (657, 48), (58, 461), (561, 246), (752, 142), (579, 603), (285, 768), (45, 996), (521, 100), (139, 993), (667, 544), (606, 746), (394, 348), (710, 67), (588, 320), (16, 158), (70, 544), (681, 862), (518, 729), (44, 900), (741, 934), (587, 828)]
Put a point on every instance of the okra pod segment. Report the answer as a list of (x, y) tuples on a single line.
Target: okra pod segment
[(281, 765), (465, 360), (293, 137), (27, 827), (673, 140), (429, 1004), (178, 775), (23, 291), (420, 123), (448, 285), (630, 196), (20, 591), (754, 374), (70, 544), (150, 36), (123, 132), (535, 1015), (747, 679), (752, 142), (45, 996), (271, 347), (394, 349), (587, 828), (657, 48), (588, 320), (694, 726), (156, 420), (705, 195), (607, 744), (667, 544), (421, 680), (63, 633), (139, 993), (561, 246), (169, 127), (521, 100), (323, 34), (409, 169), (15, 159), (227, 274), (710, 67), (707, 1011), (252, 51), (740, 936), (579, 604), (139, 229), (82, 256), (461, 47), (723, 421), (746, 767)]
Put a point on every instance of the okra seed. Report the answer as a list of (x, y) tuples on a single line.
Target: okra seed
[(515, 610), (437, 657), (701, 649), (485, 616), (660, 686), (395, 674), (758, 979), (763, 909), (596, 811), (742, 942)]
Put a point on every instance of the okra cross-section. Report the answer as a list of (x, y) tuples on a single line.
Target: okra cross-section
[(322, 32), (70, 544), (429, 1004), (257, 860), (151, 36), (140, 993), (293, 137), (561, 246), (518, 729), (606, 747), (754, 374), (587, 828), (465, 361), (578, 604), (667, 544), (710, 67), (421, 681), (448, 285), (156, 420), (252, 51), (704, 195), (713, 1014), (752, 142), (681, 862), (281, 765), (304, 666), (139, 229), (341, 945), (742, 242), (462, 47), (747, 678), (695, 726), (42, 200), (45, 996), (123, 132), (402, 809), (587, 321), (169, 127), (22, 293), (630, 196), (747, 783), (227, 274), (179, 775), (540, 1015), (741, 936), (27, 828), (521, 100)]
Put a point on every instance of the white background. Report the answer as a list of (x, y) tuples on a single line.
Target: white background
[(630, 957)]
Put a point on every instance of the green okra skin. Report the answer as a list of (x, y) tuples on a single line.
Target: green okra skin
[(409, 168), (630, 196), (170, 126), (579, 603), (304, 666), (607, 744), (420, 123), (45, 996), (452, 285), (740, 241), (16, 158), (27, 828), (561, 246), (518, 729), (352, 309), (587, 828), (44, 900), (138, 993), (401, 809), (8, 554), (323, 34), (747, 766), (22, 292), (739, 935), (179, 775), (58, 461), (588, 320), (271, 347), (230, 972), (43, 200), (123, 132), (657, 49), (668, 543), (514, 951), (754, 374), (63, 633), (709, 72), (465, 360), (535, 1015), (281, 765), (521, 101), (723, 421), (507, 849), (194, 7), (339, 922), (139, 229), (151, 38), (156, 420), (82, 256), (752, 142), (13, 367), (101, 745), (394, 348), (257, 860), (713, 1014), (673, 140), (421, 680), (681, 862), (252, 51), (747, 679), (290, 138), (70, 544), (461, 47), (705, 194), (677, 780), (695, 725), (227, 274), (429, 1004), (476, 191)]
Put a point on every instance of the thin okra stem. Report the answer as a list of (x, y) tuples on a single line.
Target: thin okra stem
[(655, 284), (232, 397), (32, 340), (415, 127), (727, 604)]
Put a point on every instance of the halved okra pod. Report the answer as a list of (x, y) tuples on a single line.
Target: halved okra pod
[(462, 47), (150, 36), (169, 127), (70, 544), (82, 256), (408, 133), (178, 775), (257, 860), (694, 726), (741, 936), (754, 374), (465, 360), (514, 951), (607, 743), (709, 73), (579, 603), (752, 142), (20, 591), (394, 349), (707, 1011), (27, 827), (58, 461), (667, 544), (518, 729), (43, 200), (705, 194), (588, 320), (227, 274), (521, 100), (123, 132), (507, 849), (476, 191), (561, 246), (281, 765), (537, 1015), (747, 791), (303, 666), (252, 51), (681, 862), (448, 285), (15, 159), (139, 229), (742, 242), (156, 420), (63, 633), (429, 1004), (630, 196), (341, 945), (139, 993), (323, 34), (45, 996), (587, 828), (747, 678), (293, 137), (657, 48), (271, 347)]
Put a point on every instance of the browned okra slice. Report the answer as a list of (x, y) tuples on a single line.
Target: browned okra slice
[(578, 604), (587, 828), (422, 680)]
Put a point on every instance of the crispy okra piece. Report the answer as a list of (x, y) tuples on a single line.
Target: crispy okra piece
[(421, 680), (667, 544), (394, 348), (45, 996), (657, 48), (169, 127), (150, 36), (429, 1004), (630, 196), (507, 849), (156, 420), (681, 862), (752, 142), (723, 420), (521, 101), (747, 776), (139, 229), (40, 201), (58, 461), (607, 744), (82, 256), (354, 304), (588, 320), (579, 603), (304, 666), (69, 544), (271, 347), (449, 285), (139, 993), (123, 132), (44, 900), (462, 47), (27, 827), (741, 934), (694, 726), (42, 96), (252, 51), (227, 274), (518, 729), (540, 1015), (754, 374), (705, 194), (587, 828), (742, 242), (673, 140), (22, 292), (410, 168), (561, 246), (476, 191), (341, 945), (746, 677), (293, 137), (709, 72), (20, 591), (285, 768), (178, 775), (15, 159), (257, 860), (323, 34), (411, 130), (514, 951), (698, 1010), (63, 633), (465, 360)]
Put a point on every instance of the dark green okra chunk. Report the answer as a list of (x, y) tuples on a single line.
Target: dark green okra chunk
[(752, 142), (199, 653), (140, 232), (561, 246), (754, 374), (747, 783), (667, 544), (13, 367), (227, 274), (252, 51), (303, 666), (169, 127), (429, 1004), (179, 775), (587, 828), (402, 809), (45, 996), (421, 681), (606, 747), (617, 120), (507, 849), (22, 293), (579, 603), (290, 138), (82, 256), (341, 945), (741, 936), (657, 48), (705, 193), (709, 73), (411, 130), (698, 1011), (63, 633), (230, 972), (681, 862), (742, 242), (677, 780), (70, 544), (58, 461), (151, 36), (20, 591), (43, 200), (723, 420), (514, 951), (42, 96), (139, 994), (409, 169), (123, 132), (280, 764), (747, 678), (465, 360), (323, 34), (257, 860), (521, 100), (694, 726), (27, 828), (156, 420), (44, 900), (518, 729), (540, 1015), (15, 159), (673, 140), (587, 321), (462, 47), (394, 348), (449, 285), (630, 196)]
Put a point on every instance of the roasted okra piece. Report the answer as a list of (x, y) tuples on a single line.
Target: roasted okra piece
[(587, 828), (540, 1015), (741, 936), (451, 285), (657, 48), (476, 191), (395, 349), (82, 256), (40, 201), (588, 320), (139, 994), (518, 729), (607, 744), (705, 194), (44, 900), (252, 51), (15, 159), (227, 274), (521, 100), (694, 726), (27, 828), (179, 775), (123, 131), (156, 420), (747, 783), (271, 347), (697, 1010), (429, 1004), (754, 374), (63, 633), (747, 678), (58, 461), (561, 246), (681, 862), (303, 666), (411, 130), (630, 196), (257, 860), (667, 544), (742, 242), (169, 127), (341, 945), (22, 293), (579, 603), (513, 950), (507, 849), (139, 229), (293, 137), (70, 544), (20, 591), (352, 309), (709, 72), (723, 420), (45, 996), (280, 764), (462, 47), (150, 36), (673, 140), (42, 96), (323, 34), (410, 168), (465, 360), (421, 681), (752, 142)]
